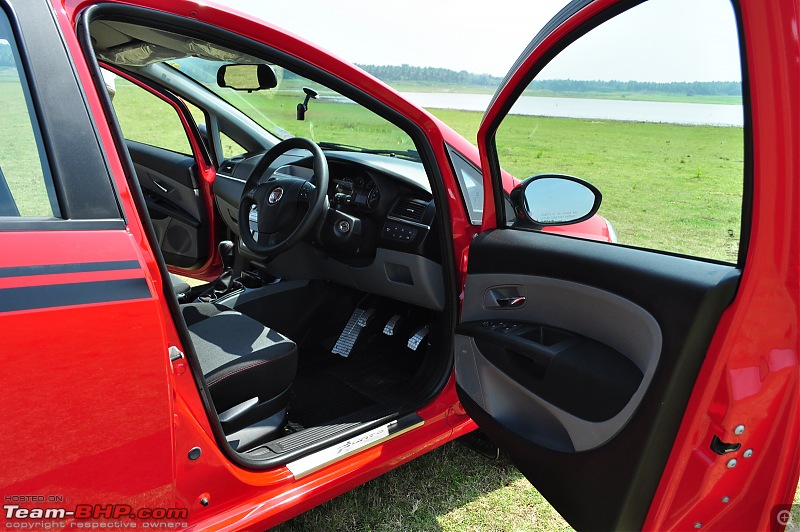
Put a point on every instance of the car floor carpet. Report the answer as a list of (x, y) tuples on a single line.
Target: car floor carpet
[(333, 386)]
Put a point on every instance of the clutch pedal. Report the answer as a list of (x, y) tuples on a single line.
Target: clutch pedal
[(358, 320)]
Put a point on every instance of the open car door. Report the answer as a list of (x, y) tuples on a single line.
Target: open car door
[(638, 385), (174, 170)]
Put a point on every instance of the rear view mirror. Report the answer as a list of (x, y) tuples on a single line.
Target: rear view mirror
[(555, 200), (247, 77)]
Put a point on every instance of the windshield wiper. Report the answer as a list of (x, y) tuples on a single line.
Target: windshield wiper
[(410, 155)]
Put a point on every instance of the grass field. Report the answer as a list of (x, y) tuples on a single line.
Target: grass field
[(669, 187), (416, 86), (19, 155), (450, 489)]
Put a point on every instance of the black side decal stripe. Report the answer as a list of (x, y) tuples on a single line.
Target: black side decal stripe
[(49, 269), (63, 295)]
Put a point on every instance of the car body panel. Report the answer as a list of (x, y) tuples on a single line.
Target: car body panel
[(114, 286)]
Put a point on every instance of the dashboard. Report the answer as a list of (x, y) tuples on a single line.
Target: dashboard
[(392, 246)]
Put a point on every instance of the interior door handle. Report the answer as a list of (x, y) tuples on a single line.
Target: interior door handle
[(511, 302), (510, 296)]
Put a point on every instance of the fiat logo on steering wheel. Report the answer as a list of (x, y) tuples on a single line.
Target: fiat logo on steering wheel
[(275, 196)]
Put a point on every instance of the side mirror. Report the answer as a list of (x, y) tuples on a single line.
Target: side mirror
[(247, 77), (550, 199)]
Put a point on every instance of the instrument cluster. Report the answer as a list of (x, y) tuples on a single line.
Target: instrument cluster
[(360, 192)]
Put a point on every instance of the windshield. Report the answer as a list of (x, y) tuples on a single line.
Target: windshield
[(332, 120)]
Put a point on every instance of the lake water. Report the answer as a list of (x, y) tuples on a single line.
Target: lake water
[(669, 112)]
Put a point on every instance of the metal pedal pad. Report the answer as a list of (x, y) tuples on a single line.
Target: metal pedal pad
[(414, 341), (390, 326), (358, 320), (366, 317)]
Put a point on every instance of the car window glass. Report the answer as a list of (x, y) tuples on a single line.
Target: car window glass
[(26, 185), (141, 114), (230, 148), (329, 117), (648, 108), (470, 181)]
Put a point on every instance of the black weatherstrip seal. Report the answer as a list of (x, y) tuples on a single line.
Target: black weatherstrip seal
[(53, 269), (64, 295)]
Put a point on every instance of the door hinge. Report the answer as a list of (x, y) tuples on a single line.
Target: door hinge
[(177, 359)]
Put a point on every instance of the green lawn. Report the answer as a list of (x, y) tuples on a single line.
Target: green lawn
[(451, 488), (639, 96), (19, 155), (465, 88), (669, 187)]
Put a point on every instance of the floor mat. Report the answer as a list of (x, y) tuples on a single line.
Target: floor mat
[(378, 376), (379, 370), (319, 396)]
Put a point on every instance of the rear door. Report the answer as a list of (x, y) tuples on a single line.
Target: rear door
[(85, 395), (174, 170), (638, 384)]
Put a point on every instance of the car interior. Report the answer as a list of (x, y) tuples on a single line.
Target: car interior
[(332, 314)]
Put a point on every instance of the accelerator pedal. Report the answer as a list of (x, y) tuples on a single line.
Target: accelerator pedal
[(416, 339)]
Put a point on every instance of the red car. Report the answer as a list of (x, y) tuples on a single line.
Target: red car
[(379, 289)]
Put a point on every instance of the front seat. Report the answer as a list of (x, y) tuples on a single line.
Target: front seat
[(249, 370), (179, 286)]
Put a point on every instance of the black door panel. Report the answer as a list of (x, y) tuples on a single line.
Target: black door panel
[(169, 184), (609, 357), (580, 376), (578, 358)]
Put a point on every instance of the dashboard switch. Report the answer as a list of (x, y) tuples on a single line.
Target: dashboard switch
[(398, 232)]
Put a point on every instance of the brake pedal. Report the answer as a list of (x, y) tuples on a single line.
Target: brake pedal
[(391, 325), (416, 339), (366, 317)]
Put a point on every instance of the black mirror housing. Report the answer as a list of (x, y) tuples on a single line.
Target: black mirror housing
[(554, 199), (247, 77)]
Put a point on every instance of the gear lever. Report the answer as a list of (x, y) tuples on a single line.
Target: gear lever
[(226, 253), (225, 283)]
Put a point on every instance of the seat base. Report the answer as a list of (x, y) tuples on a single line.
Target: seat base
[(257, 433), (248, 368)]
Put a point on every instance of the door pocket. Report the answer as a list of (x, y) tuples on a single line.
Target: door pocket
[(581, 376), (567, 369)]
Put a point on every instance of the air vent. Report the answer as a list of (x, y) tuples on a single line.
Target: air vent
[(227, 168), (409, 209)]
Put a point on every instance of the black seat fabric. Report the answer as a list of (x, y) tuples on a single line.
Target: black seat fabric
[(179, 286), (241, 360)]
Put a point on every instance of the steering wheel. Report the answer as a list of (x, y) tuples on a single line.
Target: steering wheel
[(277, 203)]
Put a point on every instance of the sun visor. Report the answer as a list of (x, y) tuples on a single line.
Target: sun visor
[(137, 55), (145, 46)]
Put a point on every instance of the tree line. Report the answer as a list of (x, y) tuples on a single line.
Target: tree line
[(693, 88), (394, 73), (405, 73)]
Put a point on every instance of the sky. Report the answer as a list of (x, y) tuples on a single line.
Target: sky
[(691, 39), (483, 37)]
